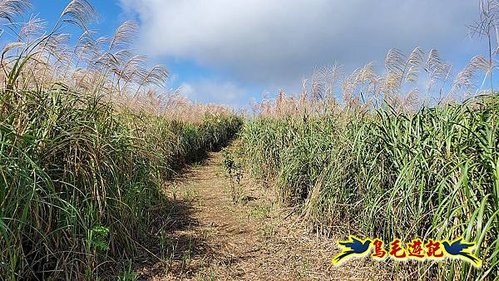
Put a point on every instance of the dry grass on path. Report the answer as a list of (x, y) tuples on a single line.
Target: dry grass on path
[(211, 238)]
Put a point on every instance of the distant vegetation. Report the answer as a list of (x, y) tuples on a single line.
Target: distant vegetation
[(86, 143)]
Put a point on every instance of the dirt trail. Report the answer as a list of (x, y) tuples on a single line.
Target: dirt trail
[(215, 239)]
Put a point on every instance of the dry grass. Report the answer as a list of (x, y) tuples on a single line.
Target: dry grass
[(408, 83), (217, 239)]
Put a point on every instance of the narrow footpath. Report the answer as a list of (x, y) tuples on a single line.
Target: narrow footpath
[(212, 238)]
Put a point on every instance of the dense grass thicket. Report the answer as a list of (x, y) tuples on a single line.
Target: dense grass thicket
[(81, 184), (431, 174), (87, 140)]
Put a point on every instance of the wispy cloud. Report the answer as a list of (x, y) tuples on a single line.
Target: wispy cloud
[(275, 43)]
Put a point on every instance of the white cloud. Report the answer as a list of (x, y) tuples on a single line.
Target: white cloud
[(220, 92), (280, 40)]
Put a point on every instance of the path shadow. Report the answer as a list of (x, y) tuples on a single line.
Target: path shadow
[(175, 245), (177, 240), (180, 239)]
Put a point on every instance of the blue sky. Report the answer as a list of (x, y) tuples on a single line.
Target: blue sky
[(231, 52)]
